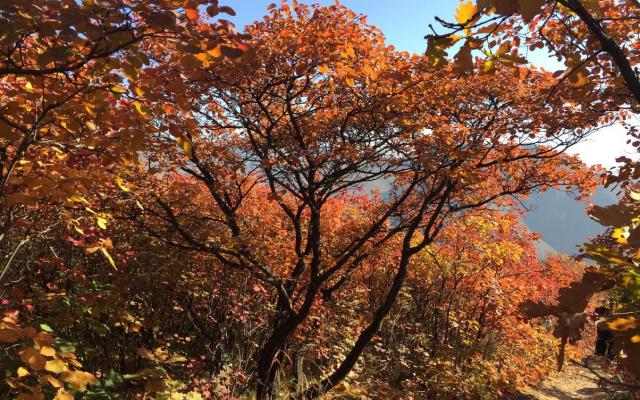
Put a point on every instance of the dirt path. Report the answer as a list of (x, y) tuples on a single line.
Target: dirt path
[(574, 383)]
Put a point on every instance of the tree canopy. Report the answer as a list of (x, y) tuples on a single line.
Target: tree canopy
[(191, 212)]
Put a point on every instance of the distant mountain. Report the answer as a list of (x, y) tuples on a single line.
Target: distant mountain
[(562, 221), (543, 249)]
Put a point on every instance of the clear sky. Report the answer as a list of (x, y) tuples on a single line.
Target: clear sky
[(405, 23)]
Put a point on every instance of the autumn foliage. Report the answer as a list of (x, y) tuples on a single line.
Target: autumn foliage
[(293, 212)]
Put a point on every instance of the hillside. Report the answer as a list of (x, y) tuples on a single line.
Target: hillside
[(562, 221)]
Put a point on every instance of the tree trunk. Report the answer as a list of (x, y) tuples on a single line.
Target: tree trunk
[(271, 356), (365, 336)]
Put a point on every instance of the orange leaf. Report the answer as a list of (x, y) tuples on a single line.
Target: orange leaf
[(33, 359), (216, 52), (192, 13), (78, 379), (168, 109)]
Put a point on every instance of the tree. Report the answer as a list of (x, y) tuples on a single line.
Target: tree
[(616, 252), (321, 108), (68, 77), (597, 41), (456, 330), (598, 44)]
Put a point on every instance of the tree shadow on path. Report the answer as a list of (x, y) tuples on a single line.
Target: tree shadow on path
[(576, 382)]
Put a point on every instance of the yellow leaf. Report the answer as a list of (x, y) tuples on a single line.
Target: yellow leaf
[(122, 185), (351, 82), (92, 126), (56, 366), (466, 12), (130, 72), (51, 381), (22, 372), (102, 223), (108, 257), (118, 89), (635, 196), (489, 65), (139, 109), (138, 91), (78, 199), (47, 351), (621, 234), (186, 145), (581, 80), (623, 324), (78, 379), (63, 395), (28, 85)]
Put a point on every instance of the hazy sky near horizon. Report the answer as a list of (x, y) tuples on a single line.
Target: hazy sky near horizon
[(405, 23)]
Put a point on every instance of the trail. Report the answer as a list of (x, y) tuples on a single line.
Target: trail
[(576, 382)]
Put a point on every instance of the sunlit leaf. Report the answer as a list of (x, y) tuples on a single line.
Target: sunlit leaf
[(56, 366), (465, 12), (78, 379), (623, 324)]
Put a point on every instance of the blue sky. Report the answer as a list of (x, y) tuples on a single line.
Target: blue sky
[(405, 23)]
